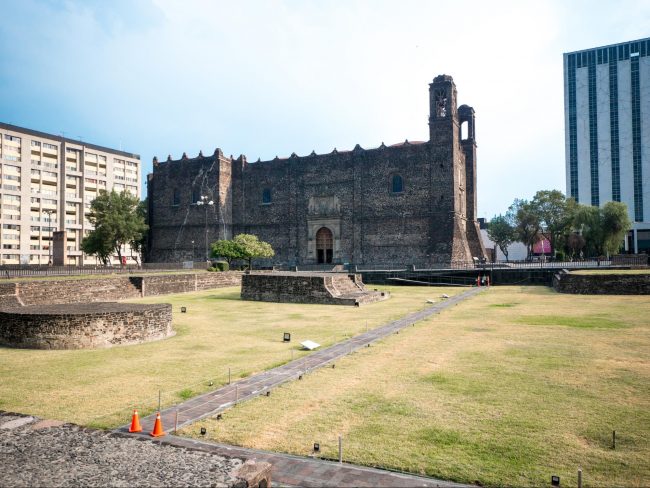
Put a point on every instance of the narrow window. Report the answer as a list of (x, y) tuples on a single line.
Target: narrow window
[(176, 199), (398, 184), (266, 196), (196, 196)]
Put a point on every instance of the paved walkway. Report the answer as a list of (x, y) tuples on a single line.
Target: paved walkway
[(306, 472), (217, 401)]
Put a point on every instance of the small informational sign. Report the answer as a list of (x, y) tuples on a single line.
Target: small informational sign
[(555, 480), (309, 345), (188, 264)]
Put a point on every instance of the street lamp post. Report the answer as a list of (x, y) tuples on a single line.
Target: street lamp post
[(49, 213), (205, 202)]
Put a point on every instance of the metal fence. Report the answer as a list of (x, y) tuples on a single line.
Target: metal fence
[(26, 271), (614, 261), (35, 271)]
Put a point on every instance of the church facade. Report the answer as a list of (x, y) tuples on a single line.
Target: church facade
[(412, 203)]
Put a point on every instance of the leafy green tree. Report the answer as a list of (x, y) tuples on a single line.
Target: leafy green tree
[(252, 248), (139, 243), (555, 213), (603, 229), (97, 243), (589, 225), (116, 220), (616, 224), (502, 233), (527, 223), (227, 250)]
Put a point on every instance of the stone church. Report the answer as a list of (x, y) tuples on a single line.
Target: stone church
[(412, 203)]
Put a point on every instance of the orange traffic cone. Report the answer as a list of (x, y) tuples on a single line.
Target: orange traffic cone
[(135, 423), (157, 427)]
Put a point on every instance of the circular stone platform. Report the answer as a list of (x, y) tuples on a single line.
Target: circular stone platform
[(84, 325)]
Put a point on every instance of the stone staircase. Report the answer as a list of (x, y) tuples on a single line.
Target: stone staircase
[(348, 288)]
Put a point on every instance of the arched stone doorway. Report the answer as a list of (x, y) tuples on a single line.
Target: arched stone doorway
[(324, 245)]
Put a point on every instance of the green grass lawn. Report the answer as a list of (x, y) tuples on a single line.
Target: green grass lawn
[(644, 271), (508, 388), (218, 332)]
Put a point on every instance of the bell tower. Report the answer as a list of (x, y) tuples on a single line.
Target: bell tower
[(443, 112)]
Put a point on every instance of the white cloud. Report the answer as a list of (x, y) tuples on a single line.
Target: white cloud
[(272, 77)]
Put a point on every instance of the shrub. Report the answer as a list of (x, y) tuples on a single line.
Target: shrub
[(222, 266), (559, 256)]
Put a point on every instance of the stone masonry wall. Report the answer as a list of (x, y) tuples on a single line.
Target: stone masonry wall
[(83, 326), (45, 292), (599, 284), (285, 288), (319, 288)]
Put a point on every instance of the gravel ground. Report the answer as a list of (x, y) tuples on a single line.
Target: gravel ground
[(36, 452)]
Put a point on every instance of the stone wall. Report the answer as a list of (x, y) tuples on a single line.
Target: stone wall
[(286, 201), (45, 292), (84, 326), (602, 284), (321, 288)]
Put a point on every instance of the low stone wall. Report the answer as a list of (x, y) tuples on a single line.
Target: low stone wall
[(45, 292), (602, 284), (84, 326), (207, 281), (298, 287)]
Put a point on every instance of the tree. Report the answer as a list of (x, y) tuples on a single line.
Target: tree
[(555, 213), (616, 224), (501, 231), (603, 229), (252, 248), (139, 243), (97, 243), (527, 223), (575, 243), (227, 250), (116, 220), (589, 225)]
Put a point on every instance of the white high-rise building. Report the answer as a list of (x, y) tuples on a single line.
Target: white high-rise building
[(47, 184), (607, 130)]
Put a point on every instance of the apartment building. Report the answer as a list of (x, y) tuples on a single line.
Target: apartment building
[(47, 185)]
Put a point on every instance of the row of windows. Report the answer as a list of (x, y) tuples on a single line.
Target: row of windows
[(636, 141), (605, 55), (613, 129), (593, 131)]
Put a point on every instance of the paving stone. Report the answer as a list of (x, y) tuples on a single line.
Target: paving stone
[(16, 422)]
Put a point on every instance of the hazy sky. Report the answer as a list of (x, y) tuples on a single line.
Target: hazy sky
[(267, 78)]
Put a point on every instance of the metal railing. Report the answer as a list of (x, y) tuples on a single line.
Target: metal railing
[(9, 271)]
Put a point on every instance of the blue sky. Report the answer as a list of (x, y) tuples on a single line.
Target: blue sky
[(267, 78)]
